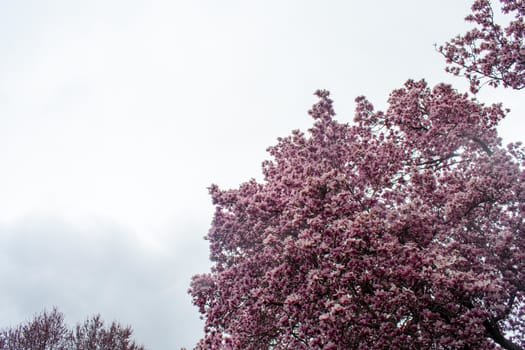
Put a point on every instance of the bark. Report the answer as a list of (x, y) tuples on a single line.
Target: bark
[(495, 333)]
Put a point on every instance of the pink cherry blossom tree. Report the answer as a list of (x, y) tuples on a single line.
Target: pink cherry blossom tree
[(490, 53), (403, 230), (48, 331)]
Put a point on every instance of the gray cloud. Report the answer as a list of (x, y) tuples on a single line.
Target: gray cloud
[(101, 269)]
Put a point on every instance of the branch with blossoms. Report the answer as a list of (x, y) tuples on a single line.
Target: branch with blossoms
[(489, 53)]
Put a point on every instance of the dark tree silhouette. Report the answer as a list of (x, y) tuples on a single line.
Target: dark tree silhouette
[(47, 331)]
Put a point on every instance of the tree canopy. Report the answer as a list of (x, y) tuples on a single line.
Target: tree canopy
[(402, 230)]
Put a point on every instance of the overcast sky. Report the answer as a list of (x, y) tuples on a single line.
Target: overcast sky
[(116, 115)]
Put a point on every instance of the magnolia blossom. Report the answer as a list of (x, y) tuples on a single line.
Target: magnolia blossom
[(403, 230)]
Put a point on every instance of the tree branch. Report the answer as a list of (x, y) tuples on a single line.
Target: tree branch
[(483, 145), (495, 333)]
